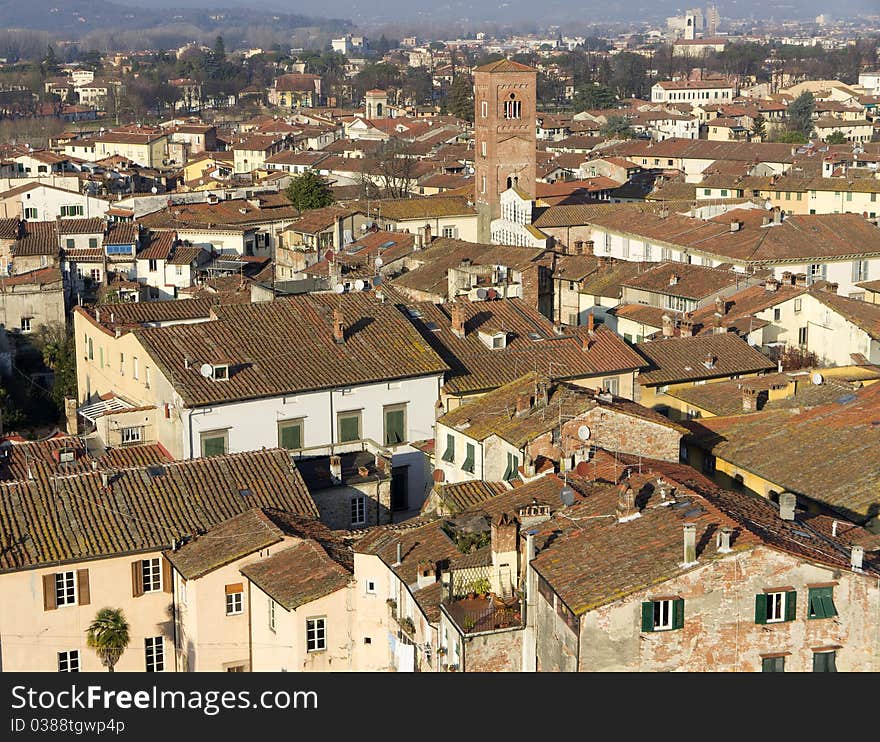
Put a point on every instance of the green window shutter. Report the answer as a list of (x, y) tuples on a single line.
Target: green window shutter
[(648, 616), (291, 436), (449, 453), (468, 465), (825, 662), (393, 427), (821, 603), (760, 608), (349, 428), (828, 605), (678, 613), (791, 605)]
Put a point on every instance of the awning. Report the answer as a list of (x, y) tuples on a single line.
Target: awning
[(93, 411)]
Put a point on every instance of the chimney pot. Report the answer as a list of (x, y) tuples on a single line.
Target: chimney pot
[(591, 323), (667, 326), (690, 543), (399, 555), (336, 468), (857, 555), (626, 503), (338, 329), (787, 504), (724, 540), (523, 404), (457, 316)]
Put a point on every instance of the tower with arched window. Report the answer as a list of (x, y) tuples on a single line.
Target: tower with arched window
[(504, 136)]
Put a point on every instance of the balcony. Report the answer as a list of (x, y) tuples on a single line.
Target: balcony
[(485, 613)]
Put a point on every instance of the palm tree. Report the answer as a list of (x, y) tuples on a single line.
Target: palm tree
[(108, 636)]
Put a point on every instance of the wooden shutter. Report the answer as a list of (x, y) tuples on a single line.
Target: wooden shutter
[(648, 616), (678, 613), (791, 605), (137, 579), (761, 608), (82, 586), (237, 587), (50, 600), (166, 575)]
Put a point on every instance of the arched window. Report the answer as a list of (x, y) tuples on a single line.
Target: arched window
[(512, 107)]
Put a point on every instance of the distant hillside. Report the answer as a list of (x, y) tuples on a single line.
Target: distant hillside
[(72, 18)]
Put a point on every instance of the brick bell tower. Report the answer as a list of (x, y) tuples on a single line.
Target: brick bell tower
[(505, 137)]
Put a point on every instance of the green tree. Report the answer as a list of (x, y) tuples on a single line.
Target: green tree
[(790, 137), (593, 97), (309, 191), (49, 63), (219, 49), (108, 636), (759, 128), (461, 98), (800, 114), (58, 349), (617, 127), (836, 137)]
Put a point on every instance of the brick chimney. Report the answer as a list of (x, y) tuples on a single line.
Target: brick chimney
[(710, 361), (523, 404), (427, 235), (717, 321), (771, 284), (690, 543), (787, 277), (668, 329), (735, 225), (787, 504), (800, 279), (626, 503), (591, 323), (687, 325), (338, 329), (457, 315), (673, 279), (720, 306), (505, 530), (578, 247), (749, 400)]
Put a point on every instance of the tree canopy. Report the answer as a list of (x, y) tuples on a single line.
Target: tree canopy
[(309, 191)]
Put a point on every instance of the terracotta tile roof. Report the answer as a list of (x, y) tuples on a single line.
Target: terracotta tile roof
[(233, 213), (287, 346), (474, 367), (607, 280), (121, 233), (862, 314), (429, 207), (9, 228), (297, 82), (40, 238), (775, 445), (157, 245), (40, 277), (144, 312), (186, 254), (53, 520), (683, 358), (356, 467), (317, 220), (495, 413), (298, 575), (641, 313), (289, 157), (505, 65), (232, 539), (461, 496), (687, 280), (702, 149)]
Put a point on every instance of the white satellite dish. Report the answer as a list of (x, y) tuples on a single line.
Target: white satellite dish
[(817, 378), (482, 294), (206, 370), (339, 288), (359, 284), (378, 262), (584, 432)]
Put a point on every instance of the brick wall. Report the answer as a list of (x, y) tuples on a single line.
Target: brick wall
[(496, 652)]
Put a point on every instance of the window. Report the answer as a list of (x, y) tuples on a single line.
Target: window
[(484, 109), (132, 435), (95, 275), (483, 148), (65, 588), (610, 385), (512, 108), (468, 464), (395, 424), (663, 615), (151, 571), (26, 324), (349, 426), (93, 242), (798, 303), (215, 442), (135, 367), (777, 314), (68, 661), (512, 467), (30, 213), (775, 606), (802, 336), (154, 651), (152, 265), (271, 615), (449, 232), (71, 211), (449, 453), (824, 661), (359, 510), (316, 636), (860, 270), (234, 599), (821, 603), (370, 587), (773, 664), (817, 272), (290, 434), (482, 187), (70, 243)]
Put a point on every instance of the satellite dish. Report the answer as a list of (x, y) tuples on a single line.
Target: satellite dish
[(206, 370), (817, 378), (584, 432), (566, 494), (378, 262), (154, 190), (359, 284), (339, 288), (482, 294), (439, 475), (582, 469)]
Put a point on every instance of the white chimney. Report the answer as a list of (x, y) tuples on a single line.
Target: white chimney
[(399, 559), (724, 540), (690, 543), (336, 468), (856, 556), (787, 503)]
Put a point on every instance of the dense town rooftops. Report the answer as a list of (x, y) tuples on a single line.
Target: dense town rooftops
[(679, 359), (687, 280), (234, 213), (73, 518), (288, 346), (430, 207)]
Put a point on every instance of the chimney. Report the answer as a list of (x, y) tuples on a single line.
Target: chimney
[(668, 329), (787, 503), (857, 554), (735, 224), (426, 574), (687, 325), (523, 404), (626, 503), (710, 361), (579, 247), (70, 415), (591, 323), (690, 543), (800, 279), (673, 279), (723, 542), (336, 468), (105, 479), (765, 220), (427, 235), (399, 560), (749, 400), (542, 393), (718, 329), (338, 330), (457, 315), (777, 215), (787, 277), (720, 306), (98, 315), (771, 284), (505, 533), (590, 247)]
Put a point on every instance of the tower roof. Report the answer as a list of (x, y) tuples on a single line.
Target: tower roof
[(505, 65)]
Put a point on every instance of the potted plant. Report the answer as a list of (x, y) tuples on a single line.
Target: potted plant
[(392, 606), (481, 586), (407, 626)]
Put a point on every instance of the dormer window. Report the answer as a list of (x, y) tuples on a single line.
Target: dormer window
[(220, 373), (493, 339)]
